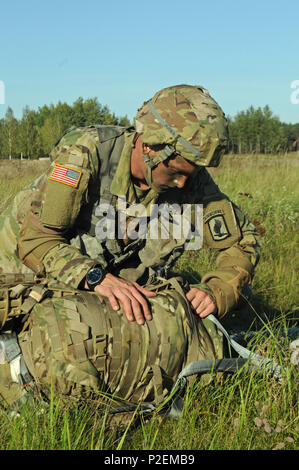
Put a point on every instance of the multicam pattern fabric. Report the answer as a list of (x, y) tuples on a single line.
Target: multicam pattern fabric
[(76, 345), (48, 226), (75, 341)]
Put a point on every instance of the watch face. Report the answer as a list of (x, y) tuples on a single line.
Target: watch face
[(94, 276)]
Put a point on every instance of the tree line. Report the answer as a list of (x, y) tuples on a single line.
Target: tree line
[(259, 131), (33, 136)]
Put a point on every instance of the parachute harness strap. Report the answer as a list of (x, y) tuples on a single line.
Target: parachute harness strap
[(258, 363)]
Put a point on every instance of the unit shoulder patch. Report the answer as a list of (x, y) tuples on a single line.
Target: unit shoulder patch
[(218, 228), (221, 228), (66, 175)]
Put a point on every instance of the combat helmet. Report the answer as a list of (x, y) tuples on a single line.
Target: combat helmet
[(188, 121)]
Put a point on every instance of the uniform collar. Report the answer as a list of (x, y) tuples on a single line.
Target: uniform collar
[(122, 184)]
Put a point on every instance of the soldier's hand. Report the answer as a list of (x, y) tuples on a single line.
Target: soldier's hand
[(130, 294), (201, 302)]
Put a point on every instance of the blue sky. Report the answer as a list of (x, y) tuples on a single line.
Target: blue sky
[(244, 52)]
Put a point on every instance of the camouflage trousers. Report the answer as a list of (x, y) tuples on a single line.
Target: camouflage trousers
[(75, 344)]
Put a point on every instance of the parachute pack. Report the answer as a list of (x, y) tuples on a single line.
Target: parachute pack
[(74, 340)]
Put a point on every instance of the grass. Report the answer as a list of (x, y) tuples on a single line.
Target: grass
[(15, 174), (240, 412)]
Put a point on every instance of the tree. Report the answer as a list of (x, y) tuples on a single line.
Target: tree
[(124, 121), (257, 131), (78, 116), (250, 131), (50, 132), (62, 113), (9, 132), (27, 135)]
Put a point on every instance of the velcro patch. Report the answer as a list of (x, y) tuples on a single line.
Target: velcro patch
[(218, 228), (65, 175)]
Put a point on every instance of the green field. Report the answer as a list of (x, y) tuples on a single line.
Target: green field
[(242, 412)]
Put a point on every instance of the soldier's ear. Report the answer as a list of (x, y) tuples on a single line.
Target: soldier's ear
[(146, 149)]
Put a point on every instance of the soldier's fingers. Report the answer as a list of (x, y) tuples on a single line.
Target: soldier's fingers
[(115, 282), (131, 299), (195, 293), (195, 303), (205, 307), (144, 291), (141, 301), (132, 309), (120, 295), (133, 306), (195, 296), (104, 292), (207, 311), (203, 300), (127, 308), (113, 302), (137, 312)]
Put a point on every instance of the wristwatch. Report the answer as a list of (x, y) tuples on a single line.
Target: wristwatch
[(94, 276)]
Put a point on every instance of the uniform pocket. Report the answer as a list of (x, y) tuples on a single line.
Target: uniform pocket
[(65, 193)]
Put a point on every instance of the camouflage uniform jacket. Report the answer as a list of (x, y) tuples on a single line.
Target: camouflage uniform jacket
[(52, 226)]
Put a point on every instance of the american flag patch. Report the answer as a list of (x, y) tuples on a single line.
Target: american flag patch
[(65, 175)]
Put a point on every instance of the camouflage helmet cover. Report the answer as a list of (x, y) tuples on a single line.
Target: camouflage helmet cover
[(200, 131)]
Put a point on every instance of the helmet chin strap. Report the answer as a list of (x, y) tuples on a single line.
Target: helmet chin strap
[(151, 163), (167, 151)]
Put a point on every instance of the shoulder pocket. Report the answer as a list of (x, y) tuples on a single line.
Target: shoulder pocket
[(65, 193)]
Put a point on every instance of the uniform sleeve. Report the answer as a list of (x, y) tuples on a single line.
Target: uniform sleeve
[(227, 229), (234, 267), (44, 239)]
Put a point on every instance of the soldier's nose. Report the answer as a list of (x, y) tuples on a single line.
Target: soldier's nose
[(180, 182)]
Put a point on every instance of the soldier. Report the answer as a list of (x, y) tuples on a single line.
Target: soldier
[(56, 226)]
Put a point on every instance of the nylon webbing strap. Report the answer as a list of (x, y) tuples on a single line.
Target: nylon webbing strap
[(153, 162), (36, 295), (53, 329), (158, 383), (201, 367), (256, 359), (172, 131), (260, 363), (79, 333), (16, 278), (128, 382), (4, 306), (115, 360), (165, 153)]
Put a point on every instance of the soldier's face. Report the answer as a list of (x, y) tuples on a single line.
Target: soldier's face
[(173, 173)]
